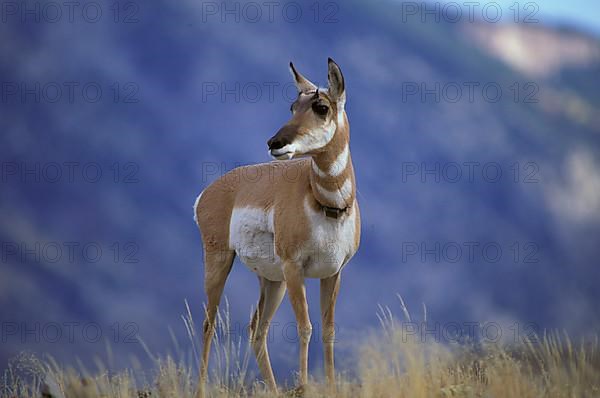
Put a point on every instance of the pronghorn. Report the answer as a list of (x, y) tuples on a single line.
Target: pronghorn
[(286, 220)]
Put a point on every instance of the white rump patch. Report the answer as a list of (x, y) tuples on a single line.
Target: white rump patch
[(196, 207)]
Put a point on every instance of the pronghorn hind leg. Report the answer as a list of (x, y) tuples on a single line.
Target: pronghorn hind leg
[(329, 291), (259, 309), (294, 279), (271, 295), (217, 265)]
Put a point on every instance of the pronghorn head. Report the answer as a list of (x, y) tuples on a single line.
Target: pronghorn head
[(316, 115)]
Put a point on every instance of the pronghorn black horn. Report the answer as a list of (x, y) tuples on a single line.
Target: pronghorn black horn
[(316, 96)]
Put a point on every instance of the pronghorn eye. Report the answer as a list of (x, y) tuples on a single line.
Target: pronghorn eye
[(320, 109)]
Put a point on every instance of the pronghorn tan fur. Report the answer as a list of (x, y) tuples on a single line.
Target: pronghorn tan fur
[(287, 220)]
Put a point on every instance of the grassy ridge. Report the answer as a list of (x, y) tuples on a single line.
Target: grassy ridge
[(390, 365)]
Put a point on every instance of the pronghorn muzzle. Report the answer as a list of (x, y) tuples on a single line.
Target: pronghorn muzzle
[(280, 145)]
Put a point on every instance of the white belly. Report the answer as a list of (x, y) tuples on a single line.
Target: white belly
[(329, 247)]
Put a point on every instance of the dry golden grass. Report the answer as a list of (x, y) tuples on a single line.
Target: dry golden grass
[(390, 365)]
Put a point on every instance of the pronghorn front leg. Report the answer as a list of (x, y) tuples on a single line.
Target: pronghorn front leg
[(294, 279), (329, 291)]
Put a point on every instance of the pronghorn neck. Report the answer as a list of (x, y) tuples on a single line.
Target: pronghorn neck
[(332, 175)]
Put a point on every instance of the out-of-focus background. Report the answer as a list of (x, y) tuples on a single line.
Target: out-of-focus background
[(475, 136)]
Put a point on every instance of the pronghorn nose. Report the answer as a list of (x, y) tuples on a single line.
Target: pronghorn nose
[(283, 137), (276, 143)]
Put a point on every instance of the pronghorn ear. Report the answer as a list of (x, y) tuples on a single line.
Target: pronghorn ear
[(337, 89), (303, 84)]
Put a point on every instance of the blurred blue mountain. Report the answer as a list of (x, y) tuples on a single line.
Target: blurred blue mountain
[(186, 97)]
